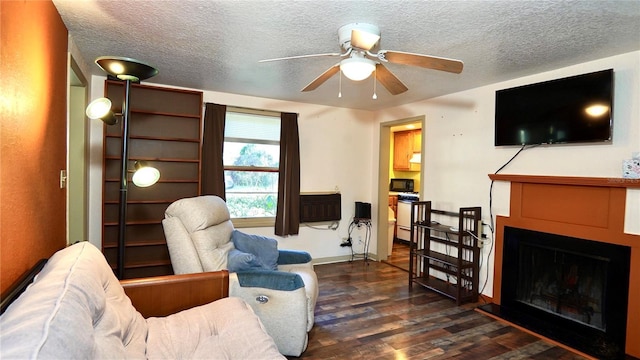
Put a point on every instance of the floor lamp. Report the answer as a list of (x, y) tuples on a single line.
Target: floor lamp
[(128, 70)]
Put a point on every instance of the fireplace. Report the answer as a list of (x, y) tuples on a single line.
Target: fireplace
[(565, 267), (568, 289)]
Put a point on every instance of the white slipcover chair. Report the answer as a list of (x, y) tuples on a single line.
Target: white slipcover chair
[(199, 237)]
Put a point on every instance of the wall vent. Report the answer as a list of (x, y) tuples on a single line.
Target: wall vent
[(320, 207)]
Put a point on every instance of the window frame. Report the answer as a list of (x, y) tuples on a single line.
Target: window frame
[(266, 221)]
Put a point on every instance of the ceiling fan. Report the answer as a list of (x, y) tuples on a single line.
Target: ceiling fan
[(358, 62)]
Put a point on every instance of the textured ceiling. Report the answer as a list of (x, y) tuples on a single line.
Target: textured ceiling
[(215, 45)]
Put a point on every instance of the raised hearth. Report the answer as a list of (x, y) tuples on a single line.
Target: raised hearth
[(563, 264)]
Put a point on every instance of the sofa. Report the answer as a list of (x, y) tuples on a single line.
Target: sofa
[(280, 285), (75, 308)]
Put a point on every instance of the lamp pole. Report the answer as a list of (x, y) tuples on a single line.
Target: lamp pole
[(128, 70), (122, 210)]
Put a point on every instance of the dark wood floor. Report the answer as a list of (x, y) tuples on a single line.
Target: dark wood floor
[(367, 312), (400, 255)]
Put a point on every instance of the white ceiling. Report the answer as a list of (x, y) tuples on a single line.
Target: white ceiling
[(215, 45)]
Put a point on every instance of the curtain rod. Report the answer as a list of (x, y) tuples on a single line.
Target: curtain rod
[(248, 109)]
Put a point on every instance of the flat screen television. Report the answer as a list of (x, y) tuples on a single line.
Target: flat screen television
[(576, 109)]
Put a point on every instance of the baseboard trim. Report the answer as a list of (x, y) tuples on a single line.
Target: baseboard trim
[(342, 258)]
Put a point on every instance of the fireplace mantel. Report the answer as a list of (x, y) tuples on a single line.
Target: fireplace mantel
[(568, 180), (589, 208)]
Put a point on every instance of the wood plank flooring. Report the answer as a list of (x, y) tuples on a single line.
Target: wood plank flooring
[(365, 311), (400, 255)]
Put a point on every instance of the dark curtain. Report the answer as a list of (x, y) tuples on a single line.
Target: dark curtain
[(288, 212), (212, 146)]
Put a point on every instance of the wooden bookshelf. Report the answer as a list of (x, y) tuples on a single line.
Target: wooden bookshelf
[(164, 130)]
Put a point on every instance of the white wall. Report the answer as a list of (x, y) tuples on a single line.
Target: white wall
[(339, 147), (458, 151), (336, 147)]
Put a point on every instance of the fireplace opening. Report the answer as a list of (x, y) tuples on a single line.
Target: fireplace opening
[(565, 283), (571, 290)]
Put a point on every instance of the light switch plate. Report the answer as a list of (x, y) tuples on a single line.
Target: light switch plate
[(63, 179)]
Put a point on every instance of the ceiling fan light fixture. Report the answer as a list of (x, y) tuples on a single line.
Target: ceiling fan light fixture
[(356, 68)]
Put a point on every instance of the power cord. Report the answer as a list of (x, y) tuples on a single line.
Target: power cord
[(358, 223), (333, 226), (491, 222)]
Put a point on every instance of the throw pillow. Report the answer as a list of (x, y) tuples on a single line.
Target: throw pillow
[(242, 261), (264, 248)]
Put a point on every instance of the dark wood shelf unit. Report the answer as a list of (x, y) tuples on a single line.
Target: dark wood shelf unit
[(165, 131), (445, 258)]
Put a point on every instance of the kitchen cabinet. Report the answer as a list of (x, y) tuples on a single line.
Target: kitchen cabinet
[(393, 203), (445, 257), (405, 144)]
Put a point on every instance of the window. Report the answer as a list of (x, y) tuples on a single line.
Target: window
[(251, 162)]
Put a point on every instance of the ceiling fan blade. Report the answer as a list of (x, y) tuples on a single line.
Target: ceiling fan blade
[(322, 78), (363, 40), (301, 57), (425, 61), (389, 81)]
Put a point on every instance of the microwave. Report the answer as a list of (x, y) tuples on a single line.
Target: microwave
[(401, 185)]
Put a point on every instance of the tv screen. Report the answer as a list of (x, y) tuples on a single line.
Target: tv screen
[(575, 109)]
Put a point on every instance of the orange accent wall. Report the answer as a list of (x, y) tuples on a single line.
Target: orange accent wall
[(587, 208), (33, 135)]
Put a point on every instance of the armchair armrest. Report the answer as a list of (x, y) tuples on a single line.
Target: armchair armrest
[(274, 280), (166, 295), (287, 257)]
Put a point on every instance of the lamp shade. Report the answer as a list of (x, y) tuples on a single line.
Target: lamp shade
[(357, 68), (144, 175), (101, 109), (126, 68)]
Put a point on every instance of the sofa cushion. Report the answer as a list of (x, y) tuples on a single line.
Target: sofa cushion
[(75, 308), (224, 329), (264, 248)]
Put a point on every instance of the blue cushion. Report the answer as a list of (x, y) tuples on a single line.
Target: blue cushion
[(265, 249), (242, 261), (275, 280), (287, 257)]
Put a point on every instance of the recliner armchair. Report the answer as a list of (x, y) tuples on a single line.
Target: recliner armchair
[(201, 237)]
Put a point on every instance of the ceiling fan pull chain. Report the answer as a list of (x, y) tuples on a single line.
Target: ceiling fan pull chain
[(375, 80), (340, 86)]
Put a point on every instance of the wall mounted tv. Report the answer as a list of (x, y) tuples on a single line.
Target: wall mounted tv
[(576, 109)]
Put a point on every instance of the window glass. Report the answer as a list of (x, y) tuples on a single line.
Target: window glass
[(251, 161)]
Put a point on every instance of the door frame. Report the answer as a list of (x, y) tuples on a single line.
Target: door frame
[(77, 154), (384, 159)]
